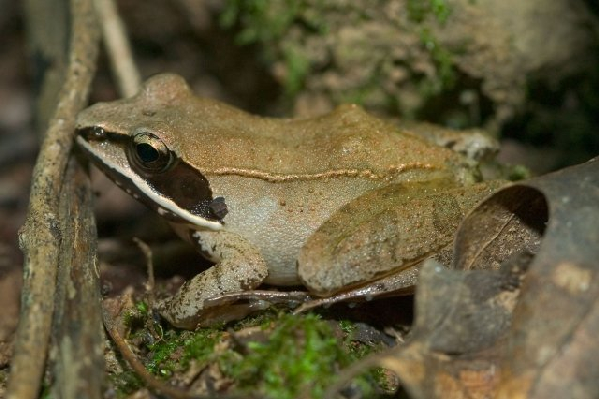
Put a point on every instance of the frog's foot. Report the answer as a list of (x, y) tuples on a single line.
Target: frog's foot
[(237, 305), (239, 267), (396, 284), (216, 310), (262, 299)]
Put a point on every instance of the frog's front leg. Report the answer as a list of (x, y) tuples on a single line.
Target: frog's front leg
[(239, 267)]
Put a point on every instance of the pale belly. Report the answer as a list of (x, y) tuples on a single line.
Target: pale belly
[(279, 217)]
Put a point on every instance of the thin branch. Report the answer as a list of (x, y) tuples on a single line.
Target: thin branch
[(77, 355), (41, 237), (153, 383), (118, 48)]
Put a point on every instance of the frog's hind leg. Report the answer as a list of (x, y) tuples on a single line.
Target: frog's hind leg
[(379, 233), (383, 232)]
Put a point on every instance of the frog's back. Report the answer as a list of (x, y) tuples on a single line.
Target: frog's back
[(220, 139), (345, 142)]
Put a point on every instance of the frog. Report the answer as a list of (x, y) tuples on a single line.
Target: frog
[(332, 203)]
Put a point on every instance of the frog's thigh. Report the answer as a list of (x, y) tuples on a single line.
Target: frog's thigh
[(239, 267), (381, 232)]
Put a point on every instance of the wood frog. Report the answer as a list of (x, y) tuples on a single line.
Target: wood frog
[(333, 202)]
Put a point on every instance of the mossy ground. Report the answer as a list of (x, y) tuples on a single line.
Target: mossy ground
[(272, 355)]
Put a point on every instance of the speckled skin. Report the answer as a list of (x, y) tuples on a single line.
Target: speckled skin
[(281, 180)]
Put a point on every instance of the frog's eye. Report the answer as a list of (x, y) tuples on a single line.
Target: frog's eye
[(150, 154), (98, 133)]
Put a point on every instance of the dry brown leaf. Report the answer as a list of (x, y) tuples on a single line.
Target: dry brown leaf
[(490, 330)]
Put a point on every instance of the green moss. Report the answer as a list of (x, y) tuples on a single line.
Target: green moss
[(199, 345), (264, 21), (263, 319), (161, 356), (418, 10), (300, 356), (287, 31), (137, 315), (267, 23), (443, 59), (347, 327), (298, 66), (177, 348), (142, 307), (125, 383), (516, 172)]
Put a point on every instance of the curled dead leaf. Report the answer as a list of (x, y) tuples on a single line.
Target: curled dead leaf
[(517, 316)]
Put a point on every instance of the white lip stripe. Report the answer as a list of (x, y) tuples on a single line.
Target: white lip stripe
[(161, 201)]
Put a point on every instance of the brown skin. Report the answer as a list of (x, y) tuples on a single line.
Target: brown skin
[(281, 180)]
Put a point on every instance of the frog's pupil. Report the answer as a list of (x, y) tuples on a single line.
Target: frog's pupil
[(98, 132), (147, 153)]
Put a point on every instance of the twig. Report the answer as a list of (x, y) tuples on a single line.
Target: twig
[(149, 264), (77, 361), (118, 48), (41, 237), (145, 248), (151, 382)]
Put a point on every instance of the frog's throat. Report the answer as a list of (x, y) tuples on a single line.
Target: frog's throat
[(138, 188)]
